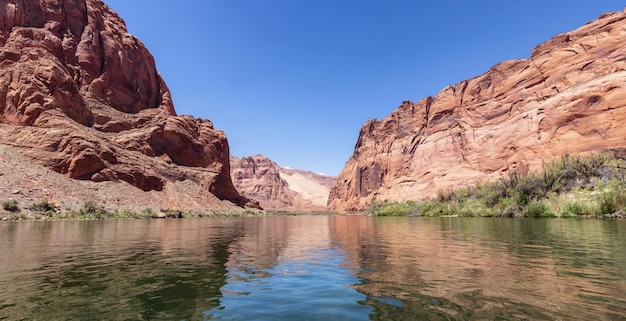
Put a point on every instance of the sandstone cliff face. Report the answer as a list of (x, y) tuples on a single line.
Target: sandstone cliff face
[(569, 97), (278, 188), (81, 96)]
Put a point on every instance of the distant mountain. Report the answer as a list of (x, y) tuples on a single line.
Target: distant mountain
[(85, 115), (569, 97), (278, 188)]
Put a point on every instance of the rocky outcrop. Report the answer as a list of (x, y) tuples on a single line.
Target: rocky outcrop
[(81, 96), (569, 97), (279, 188)]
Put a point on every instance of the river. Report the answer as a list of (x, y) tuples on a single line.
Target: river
[(314, 268)]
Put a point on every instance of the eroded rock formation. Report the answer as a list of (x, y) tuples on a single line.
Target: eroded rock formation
[(81, 96), (569, 97), (279, 188)]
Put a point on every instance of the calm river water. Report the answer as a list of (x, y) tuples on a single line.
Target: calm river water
[(314, 268)]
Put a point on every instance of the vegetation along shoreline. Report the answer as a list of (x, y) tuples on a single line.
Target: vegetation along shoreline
[(45, 210), (591, 186)]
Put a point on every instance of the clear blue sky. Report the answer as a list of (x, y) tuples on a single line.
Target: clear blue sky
[(296, 79)]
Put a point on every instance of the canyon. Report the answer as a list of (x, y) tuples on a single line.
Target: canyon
[(85, 115), (567, 98), (279, 188)]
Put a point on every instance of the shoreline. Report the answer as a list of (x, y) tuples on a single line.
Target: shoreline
[(94, 212), (178, 215)]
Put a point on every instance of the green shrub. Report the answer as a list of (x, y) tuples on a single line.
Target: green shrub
[(489, 212), (531, 187), (125, 213), (589, 167), (446, 196), (512, 211), (523, 193), (538, 209), (573, 209), (11, 206), (68, 214), (384, 209), (490, 193), (470, 207), (437, 209), (44, 206), (620, 200), (173, 213), (92, 209), (611, 202), (148, 212)]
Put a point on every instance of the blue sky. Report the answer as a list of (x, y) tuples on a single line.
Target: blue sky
[(296, 79)]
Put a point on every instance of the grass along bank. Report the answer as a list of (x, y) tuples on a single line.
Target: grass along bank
[(45, 210), (572, 186)]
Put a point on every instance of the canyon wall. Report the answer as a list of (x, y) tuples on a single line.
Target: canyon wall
[(568, 97), (82, 97), (279, 188)]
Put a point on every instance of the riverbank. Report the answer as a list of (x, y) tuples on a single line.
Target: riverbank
[(44, 210), (592, 186)]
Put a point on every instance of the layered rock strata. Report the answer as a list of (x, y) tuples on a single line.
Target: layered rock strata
[(568, 97), (279, 188), (81, 96)]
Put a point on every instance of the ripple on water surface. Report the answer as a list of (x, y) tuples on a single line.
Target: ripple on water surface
[(314, 268)]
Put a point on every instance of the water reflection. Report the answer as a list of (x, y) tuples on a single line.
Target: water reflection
[(127, 270), (288, 269), (451, 268), (314, 268)]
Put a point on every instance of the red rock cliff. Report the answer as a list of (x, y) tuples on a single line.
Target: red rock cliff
[(569, 97), (279, 188), (80, 95)]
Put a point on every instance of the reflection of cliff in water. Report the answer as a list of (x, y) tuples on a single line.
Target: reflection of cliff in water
[(121, 270), (482, 268), (265, 240), (287, 268), (314, 267), (270, 241)]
